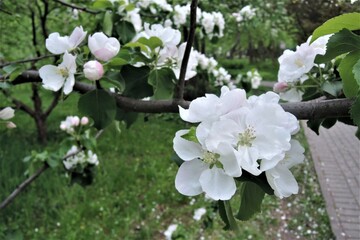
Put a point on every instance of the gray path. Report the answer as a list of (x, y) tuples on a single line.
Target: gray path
[(336, 155)]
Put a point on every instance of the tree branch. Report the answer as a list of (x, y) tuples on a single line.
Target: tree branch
[(53, 104), (302, 110), (27, 60), (85, 9), (179, 89)]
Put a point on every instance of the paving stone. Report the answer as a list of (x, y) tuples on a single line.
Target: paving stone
[(336, 156)]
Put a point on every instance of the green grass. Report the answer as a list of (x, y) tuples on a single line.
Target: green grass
[(133, 195)]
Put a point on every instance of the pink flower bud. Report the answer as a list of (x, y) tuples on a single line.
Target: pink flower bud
[(93, 70), (280, 87), (75, 121), (63, 126), (84, 120), (103, 47)]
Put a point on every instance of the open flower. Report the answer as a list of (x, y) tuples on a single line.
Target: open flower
[(59, 45), (54, 77), (201, 172), (103, 47)]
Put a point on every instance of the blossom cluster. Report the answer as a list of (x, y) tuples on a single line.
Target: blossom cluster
[(295, 67), (253, 76), (78, 157), (236, 134), (246, 13), (62, 76), (71, 122)]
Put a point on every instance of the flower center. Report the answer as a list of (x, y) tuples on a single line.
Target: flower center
[(299, 63), (64, 72), (247, 137), (210, 158)]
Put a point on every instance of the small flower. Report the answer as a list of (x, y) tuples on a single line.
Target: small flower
[(84, 121), (7, 113), (280, 87), (102, 47), (55, 77), (59, 45), (93, 70)]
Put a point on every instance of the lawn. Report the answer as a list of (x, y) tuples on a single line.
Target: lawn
[(133, 195)]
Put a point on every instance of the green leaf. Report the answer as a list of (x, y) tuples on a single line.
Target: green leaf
[(356, 72), (329, 122), (260, 180), (137, 45), (152, 42), (115, 62), (52, 162), (115, 79), (125, 31), (108, 23), (314, 124), (136, 81), (333, 88), (223, 215), (355, 114), (251, 196), (346, 66), (100, 106), (342, 42), (102, 4), (162, 81), (350, 21), (128, 117), (191, 135)]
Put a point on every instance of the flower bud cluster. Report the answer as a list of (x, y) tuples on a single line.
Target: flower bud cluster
[(71, 122), (80, 158), (236, 134)]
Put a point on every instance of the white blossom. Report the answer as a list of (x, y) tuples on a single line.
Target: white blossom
[(79, 157), (59, 45), (169, 231), (93, 70), (7, 113), (103, 47), (56, 77)]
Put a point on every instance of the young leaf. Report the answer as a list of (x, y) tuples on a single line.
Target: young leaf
[(108, 23), (191, 135), (162, 82), (340, 43), (152, 42), (136, 81), (350, 21), (346, 66), (102, 4), (100, 106), (251, 198)]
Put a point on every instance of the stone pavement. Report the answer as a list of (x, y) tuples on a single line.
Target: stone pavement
[(336, 155)]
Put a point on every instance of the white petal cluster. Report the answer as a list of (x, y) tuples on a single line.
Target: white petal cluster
[(170, 37), (71, 122), (236, 134), (79, 158), (212, 21), (155, 5), (59, 45), (246, 13), (223, 78), (295, 65), (103, 47)]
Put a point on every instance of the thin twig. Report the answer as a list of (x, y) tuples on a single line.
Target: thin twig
[(179, 89), (27, 60), (30, 179), (85, 9), (53, 104)]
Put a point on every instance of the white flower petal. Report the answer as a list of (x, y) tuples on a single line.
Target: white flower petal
[(187, 177), (229, 160), (77, 36), (186, 150), (57, 44), (69, 84), (282, 181), (51, 78), (216, 184), (7, 113)]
